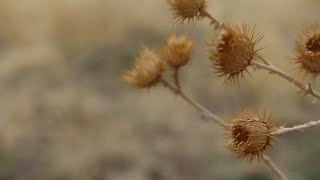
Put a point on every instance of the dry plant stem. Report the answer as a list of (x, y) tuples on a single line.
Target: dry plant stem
[(296, 128), (212, 19), (265, 61), (307, 89), (202, 109), (176, 78), (269, 162), (275, 70)]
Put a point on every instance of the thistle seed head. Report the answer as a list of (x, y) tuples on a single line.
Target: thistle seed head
[(308, 52), (249, 135), (146, 71), (186, 10), (177, 51), (233, 50)]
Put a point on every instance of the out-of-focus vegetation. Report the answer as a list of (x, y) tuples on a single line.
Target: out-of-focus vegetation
[(65, 114)]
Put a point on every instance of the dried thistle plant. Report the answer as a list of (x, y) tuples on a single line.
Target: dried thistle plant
[(308, 52), (249, 135), (177, 51), (232, 52), (146, 71), (186, 10)]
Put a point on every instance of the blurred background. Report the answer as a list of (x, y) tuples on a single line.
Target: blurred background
[(65, 114)]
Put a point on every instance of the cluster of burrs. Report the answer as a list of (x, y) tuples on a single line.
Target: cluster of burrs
[(231, 52)]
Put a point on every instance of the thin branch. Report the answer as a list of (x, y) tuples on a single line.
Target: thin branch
[(275, 70), (278, 172), (296, 128), (215, 22), (202, 109), (265, 61), (307, 89), (176, 78)]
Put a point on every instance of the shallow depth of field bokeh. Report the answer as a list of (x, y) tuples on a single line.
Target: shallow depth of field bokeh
[(65, 113)]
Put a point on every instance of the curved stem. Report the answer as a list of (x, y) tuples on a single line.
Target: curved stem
[(307, 89), (278, 172), (189, 100), (296, 128)]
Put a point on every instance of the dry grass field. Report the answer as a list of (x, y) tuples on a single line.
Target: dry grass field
[(65, 113)]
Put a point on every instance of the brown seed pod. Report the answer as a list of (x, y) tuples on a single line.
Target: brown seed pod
[(186, 10), (177, 51), (232, 51), (249, 135), (308, 52), (146, 71)]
